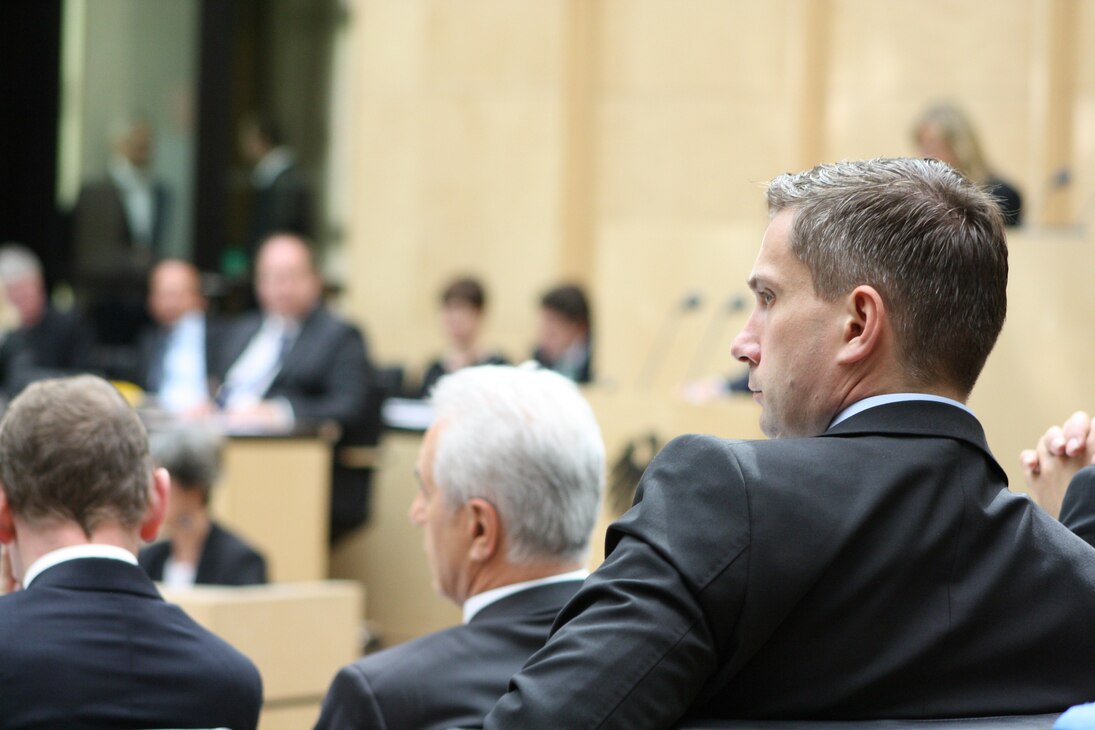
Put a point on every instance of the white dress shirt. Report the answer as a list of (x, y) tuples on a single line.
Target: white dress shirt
[(184, 383), (479, 601), (137, 199), (76, 552), (254, 371), (275, 162)]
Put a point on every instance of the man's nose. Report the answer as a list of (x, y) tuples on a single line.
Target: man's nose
[(746, 347)]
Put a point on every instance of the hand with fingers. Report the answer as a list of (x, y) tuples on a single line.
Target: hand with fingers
[(1060, 453)]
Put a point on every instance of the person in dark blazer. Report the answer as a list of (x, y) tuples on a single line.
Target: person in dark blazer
[(462, 311), (868, 561), (511, 477), (296, 362), (282, 193), (46, 343), (564, 341), (173, 353), (119, 229), (198, 551), (89, 644)]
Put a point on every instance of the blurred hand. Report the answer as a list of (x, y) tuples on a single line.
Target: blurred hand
[(1060, 453)]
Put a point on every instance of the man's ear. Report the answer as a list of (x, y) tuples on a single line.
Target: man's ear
[(7, 521), (157, 505), (865, 325), (485, 530)]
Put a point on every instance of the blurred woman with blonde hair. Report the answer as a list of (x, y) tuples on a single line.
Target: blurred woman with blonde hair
[(944, 132)]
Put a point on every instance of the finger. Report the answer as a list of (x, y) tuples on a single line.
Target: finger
[(1054, 441), (1028, 458), (1075, 432)]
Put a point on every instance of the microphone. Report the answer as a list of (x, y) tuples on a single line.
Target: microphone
[(655, 356), (713, 335)]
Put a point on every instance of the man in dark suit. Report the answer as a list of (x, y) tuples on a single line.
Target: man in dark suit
[(198, 551), (47, 343), (511, 475), (119, 225), (88, 642), (173, 362), (296, 362), (282, 195), (869, 560), (564, 340)]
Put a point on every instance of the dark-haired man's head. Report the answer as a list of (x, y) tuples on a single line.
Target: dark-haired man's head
[(873, 277), (564, 321)]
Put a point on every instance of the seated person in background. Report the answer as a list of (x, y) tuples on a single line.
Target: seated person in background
[(563, 342), (173, 354), (943, 132), (47, 343), (88, 642), (867, 561), (294, 361), (462, 305), (1060, 475), (198, 551), (511, 475)]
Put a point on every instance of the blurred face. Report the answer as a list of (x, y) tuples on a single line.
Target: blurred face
[(285, 282), (460, 321), (173, 292), (790, 341), (444, 530), (137, 145), (28, 296), (182, 506), (557, 333), (933, 144), (252, 145)]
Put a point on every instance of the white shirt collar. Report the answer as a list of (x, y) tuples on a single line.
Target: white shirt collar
[(479, 601), (882, 400), (76, 552)]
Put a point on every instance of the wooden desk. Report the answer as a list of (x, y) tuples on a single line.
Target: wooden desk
[(297, 634), (275, 492)]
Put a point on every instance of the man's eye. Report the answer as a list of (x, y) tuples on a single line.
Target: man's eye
[(766, 297)]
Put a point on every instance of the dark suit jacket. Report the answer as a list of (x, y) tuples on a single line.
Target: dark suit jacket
[(151, 349), (102, 242), (92, 645), (325, 376), (60, 344), (1078, 508), (447, 679), (226, 560), (283, 205), (880, 570)]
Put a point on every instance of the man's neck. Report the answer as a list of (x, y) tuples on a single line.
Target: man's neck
[(31, 543), (506, 573)]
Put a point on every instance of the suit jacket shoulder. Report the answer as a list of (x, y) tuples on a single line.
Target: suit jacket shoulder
[(450, 678), (821, 578), (86, 633), (228, 560)]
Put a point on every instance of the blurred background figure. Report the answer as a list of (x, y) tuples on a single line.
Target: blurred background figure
[(564, 342), (173, 364), (198, 550), (944, 132), (45, 342), (463, 303), (118, 233), (282, 196)]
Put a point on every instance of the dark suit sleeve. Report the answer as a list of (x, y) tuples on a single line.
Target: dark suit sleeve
[(1078, 508), (350, 704), (345, 384), (635, 646)]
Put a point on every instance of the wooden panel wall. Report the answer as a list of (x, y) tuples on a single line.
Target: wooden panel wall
[(624, 144)]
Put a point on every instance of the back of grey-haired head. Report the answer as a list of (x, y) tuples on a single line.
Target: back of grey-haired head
[(929, 241), (17, 262), (191, 455), (526, 441)]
